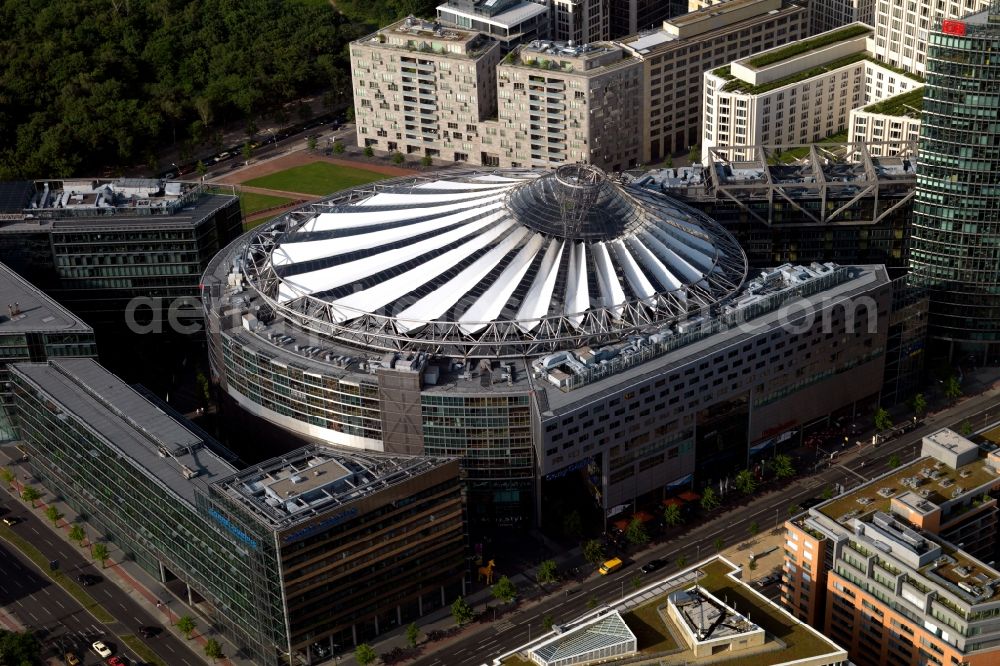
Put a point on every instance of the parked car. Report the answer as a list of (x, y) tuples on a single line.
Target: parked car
[(10, 521), (653, 565), (115, 661), (71, 659), (101, 649), (614, 564), (769, 579)]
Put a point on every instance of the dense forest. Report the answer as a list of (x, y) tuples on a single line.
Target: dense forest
[(86, 84)]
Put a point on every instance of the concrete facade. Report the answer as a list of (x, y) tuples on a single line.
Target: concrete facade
[(902, 27)]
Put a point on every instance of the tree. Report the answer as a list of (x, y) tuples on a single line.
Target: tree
[(461, 611), (636, 582), (30, 494), (572, 526), (338, 147), (681, 561), (213, 649), (591, 602), (783, 467), (965, 429), (636, 533), (350, 114), (547, 621), (201, 169), (412, 634), (709, 500), (793, 510), (893, 461), (952, 388), (19, 648), (364, 654), (52, 513), (672, 515), (919, 404), (753, 564), (186, 625), (311, 143), (753, 528), (745, 482), (99, 552), (8, 476), (882, 420), (669, 162), (77, 533), (695, 153), (827, 493), (718, 544), (546, 572), (247, 151), (593, 551), (369, 151), (426, 161), (504, 590), (398, 158)]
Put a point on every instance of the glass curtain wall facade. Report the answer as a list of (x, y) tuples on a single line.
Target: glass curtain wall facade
[(955, 247), (149, 522)]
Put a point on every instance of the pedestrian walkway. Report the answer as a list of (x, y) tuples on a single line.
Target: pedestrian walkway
[(140, 586)]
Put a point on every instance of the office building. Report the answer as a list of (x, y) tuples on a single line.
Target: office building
[(580, 21), (509, 22), (628, 17), (96, 244), (803, 203), (34, 328), (796, 94), (903, 28), (705, 614), (560, 104), (546, 327), (423, 89), (676, 57), (287, 558), (883, 126), (833, 14), (956, 221), (899, 570)]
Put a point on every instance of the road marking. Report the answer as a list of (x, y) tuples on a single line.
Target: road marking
[(58, 603), (848, 469)]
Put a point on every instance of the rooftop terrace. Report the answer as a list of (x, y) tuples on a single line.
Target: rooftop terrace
[(29, 309)]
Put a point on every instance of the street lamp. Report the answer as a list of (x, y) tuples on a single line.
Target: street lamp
[(274, 139)]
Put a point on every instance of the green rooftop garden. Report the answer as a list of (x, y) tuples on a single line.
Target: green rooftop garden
[(739, 85), (792, 50), (907, 104)]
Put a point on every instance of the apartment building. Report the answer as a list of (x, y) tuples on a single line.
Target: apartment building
[(796, 94), (676, 56), (888, 125), (420, 88), (900, 569), (510, 22), (580, 21), (833, 14), (562, 104), (902, 27)]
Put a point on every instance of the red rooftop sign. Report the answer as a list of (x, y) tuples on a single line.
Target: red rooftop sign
[(953, 28)]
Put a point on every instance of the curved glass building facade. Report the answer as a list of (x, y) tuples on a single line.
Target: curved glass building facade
[(955, 247)]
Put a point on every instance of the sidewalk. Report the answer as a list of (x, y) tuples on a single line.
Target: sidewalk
[(142, 588)]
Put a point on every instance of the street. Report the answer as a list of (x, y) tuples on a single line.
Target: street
[(851, 468), (61, 622)]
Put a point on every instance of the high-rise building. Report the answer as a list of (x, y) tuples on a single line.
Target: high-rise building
[(316, 548), (580, 21), (631, 16), (903, 28), (676, 57), (34, 328), (796, 94), (831, 14), (97, 244), (900, 569), (560, 332), (955, 247), (560, 104), (420, 88)]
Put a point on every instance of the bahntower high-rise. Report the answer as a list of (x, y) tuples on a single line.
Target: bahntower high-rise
[(955, 245)]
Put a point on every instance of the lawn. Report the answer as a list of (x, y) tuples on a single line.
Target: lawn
[(319, 178), (252, 202)]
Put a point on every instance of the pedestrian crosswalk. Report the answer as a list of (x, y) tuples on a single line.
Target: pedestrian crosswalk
[(503, 626)]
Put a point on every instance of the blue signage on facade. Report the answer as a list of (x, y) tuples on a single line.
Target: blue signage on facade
[(232, 528)]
